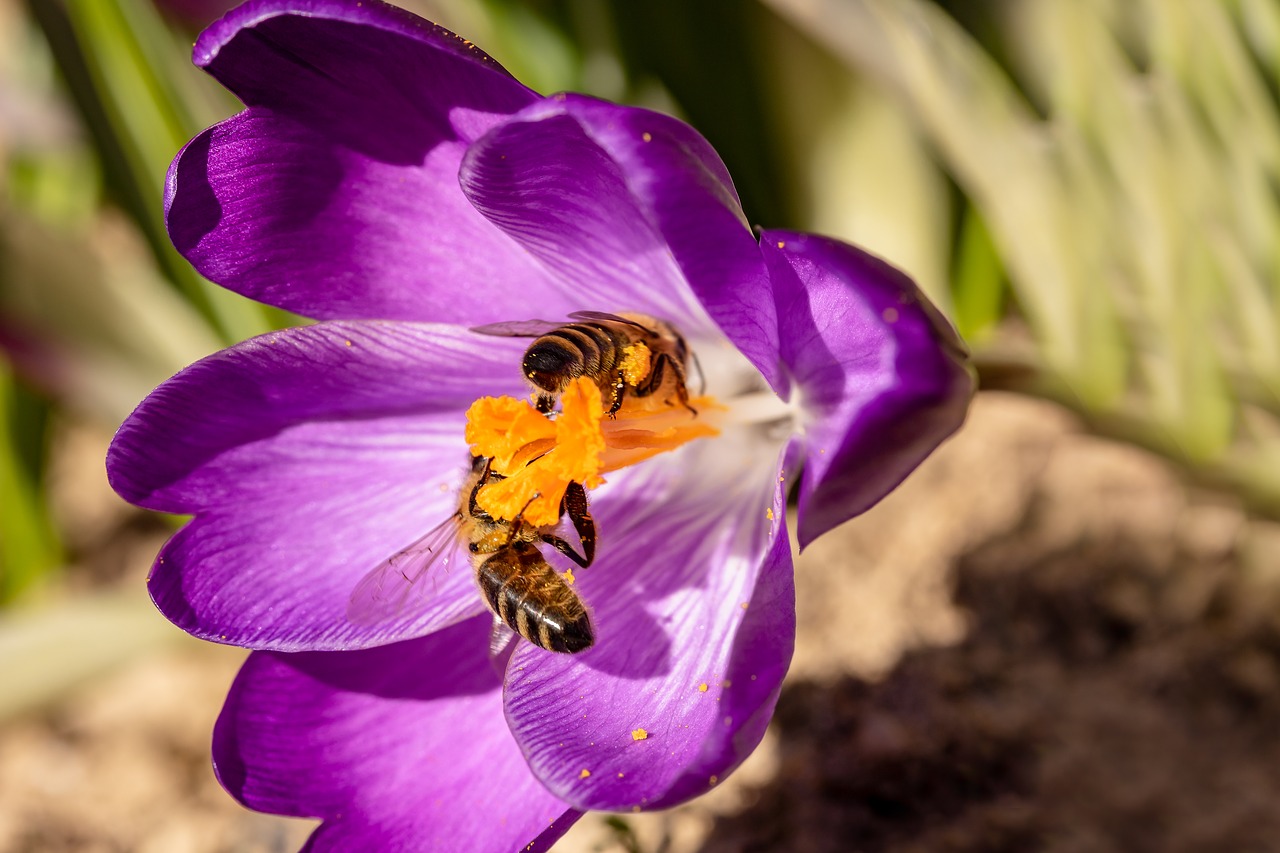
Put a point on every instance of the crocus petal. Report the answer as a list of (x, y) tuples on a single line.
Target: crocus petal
[(632, 205), (881, 375), (308, 456), (400, 748), (693, 606), (335, 194)]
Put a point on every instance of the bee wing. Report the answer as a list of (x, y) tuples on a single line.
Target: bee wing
[(518, 328), (608, 318), (398, 583), (502, 642)]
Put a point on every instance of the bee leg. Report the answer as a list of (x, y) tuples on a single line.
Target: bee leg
[(565, 548), (518, 522), (546, 404), (619, 388), (472, 507), (574, 504), (654, 381), (702, 377)]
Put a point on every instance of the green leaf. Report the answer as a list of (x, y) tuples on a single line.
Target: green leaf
[(29, 549)]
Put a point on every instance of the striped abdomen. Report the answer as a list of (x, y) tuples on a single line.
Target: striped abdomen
[(533, 600), (578, 349)]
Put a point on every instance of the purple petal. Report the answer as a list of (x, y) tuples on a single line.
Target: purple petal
[(335, 194), (399, 748), (632, 206), (693, 607), (882, 377), (308, 456)]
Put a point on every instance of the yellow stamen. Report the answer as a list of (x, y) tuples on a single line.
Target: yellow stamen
[(641, 430), (537, 460), (504, 428), (538, 457), (636, 360)]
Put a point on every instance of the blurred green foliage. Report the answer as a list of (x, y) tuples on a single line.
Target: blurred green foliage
[(1087, 187)]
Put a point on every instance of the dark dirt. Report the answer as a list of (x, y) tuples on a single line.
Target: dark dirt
[(1113, 694)]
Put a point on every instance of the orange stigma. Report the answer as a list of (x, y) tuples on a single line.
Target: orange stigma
[(538, 457)]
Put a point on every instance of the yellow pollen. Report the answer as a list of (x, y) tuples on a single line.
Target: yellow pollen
[(639, 734), (568, 577), (635, 363), (768, 513), (584, 774), (537, 457), (702, 688)]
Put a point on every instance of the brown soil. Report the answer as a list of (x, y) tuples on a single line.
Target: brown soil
[(1042, 641), (1111, 696)]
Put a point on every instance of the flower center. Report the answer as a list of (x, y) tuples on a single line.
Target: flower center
[(538, 456)]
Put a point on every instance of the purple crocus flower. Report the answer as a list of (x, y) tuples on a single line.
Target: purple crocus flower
[(389, 180)]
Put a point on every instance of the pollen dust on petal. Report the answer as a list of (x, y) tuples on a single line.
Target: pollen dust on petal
[(639, 734), (584, 774), (568, 577)]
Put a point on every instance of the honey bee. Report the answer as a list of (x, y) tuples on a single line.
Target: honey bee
[(517, 583), (597, 346)]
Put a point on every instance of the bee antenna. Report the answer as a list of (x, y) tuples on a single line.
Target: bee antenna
[(702, 377)]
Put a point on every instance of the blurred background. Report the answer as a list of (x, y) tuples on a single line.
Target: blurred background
[(1061, 634)]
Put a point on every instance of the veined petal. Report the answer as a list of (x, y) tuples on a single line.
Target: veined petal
[(307, 456), (400, 748), (279, 52), (882, 377), (335, 194), (635, 208), (693, 606)]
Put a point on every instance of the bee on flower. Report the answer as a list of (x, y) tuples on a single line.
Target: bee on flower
[(392, 182)]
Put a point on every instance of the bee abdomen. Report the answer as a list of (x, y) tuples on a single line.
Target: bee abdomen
[(535, 602), (579, 349)]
